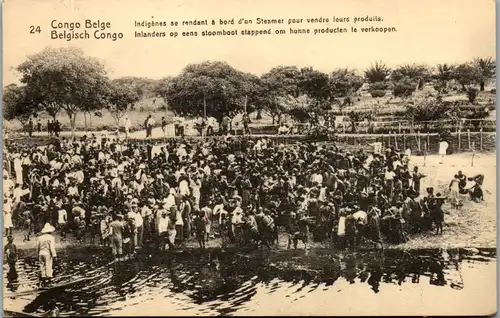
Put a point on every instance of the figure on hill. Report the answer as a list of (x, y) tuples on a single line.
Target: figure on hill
[(30, 127), (164, 126)]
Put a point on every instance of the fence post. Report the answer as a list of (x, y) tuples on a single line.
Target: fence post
[(459, 138), (428, 142), (418, 140), (389, 143), (468, 137), (481, 139), (396, 141), (399, 127), (404, 141)]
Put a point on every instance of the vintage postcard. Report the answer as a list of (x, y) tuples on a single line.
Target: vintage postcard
[(266, 157)]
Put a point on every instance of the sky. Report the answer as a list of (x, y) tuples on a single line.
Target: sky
[(428, 31)]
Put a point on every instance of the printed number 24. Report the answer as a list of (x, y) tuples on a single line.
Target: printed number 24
[(35, 29)]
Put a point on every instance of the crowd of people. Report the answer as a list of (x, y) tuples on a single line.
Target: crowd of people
[(128, 195)]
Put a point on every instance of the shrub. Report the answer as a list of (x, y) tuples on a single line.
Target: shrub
[(403, 88), (472, 94), (377, 93)]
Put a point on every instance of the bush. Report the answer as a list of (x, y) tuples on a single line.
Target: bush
[(377, 93), (472, 94), (404, 88), (379, 86)]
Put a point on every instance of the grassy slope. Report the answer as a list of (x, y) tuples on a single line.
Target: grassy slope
[(364, 102)]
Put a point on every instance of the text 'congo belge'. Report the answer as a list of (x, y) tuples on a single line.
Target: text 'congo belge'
[(88, 29)]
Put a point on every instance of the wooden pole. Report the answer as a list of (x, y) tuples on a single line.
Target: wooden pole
[(399, 127), (481, 139), (428, 142), (425, 153), (473, 154), (396, 141), (404, 141), (418, 140), (468, 138), (389, 142), (459, 139)]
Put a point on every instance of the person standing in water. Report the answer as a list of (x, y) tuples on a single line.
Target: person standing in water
[(10, 253), (46, 250)]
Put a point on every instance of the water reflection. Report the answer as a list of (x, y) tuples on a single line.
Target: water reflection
[(223, 282)]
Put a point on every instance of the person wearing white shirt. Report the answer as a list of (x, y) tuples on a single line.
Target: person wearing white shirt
[(8, 185), (377, 147), (19, 192), (73, 191), (18, 168), (127, 126), (389, 182), (184, 187), (170, 201), (79, 176), (211, 121), (181, 151), (139, 224), (317, 178), (443, 146)]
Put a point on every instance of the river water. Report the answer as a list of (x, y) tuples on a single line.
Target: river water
[(214, 282)]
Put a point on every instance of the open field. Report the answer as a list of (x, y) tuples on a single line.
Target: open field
[(473, 225)]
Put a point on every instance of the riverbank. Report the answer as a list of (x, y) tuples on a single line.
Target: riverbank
[(473, 225)]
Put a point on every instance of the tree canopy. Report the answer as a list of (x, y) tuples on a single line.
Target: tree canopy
[(64, 78)]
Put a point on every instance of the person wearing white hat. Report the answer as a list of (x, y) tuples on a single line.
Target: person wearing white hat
[(46, 250)]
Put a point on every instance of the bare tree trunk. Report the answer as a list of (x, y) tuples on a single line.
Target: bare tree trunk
[(85, 120), (72, 121)]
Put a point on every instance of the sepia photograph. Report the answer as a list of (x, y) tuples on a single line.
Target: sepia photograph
[(274, 158)]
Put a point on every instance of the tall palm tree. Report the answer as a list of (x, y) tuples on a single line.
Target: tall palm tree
[(377, 73), (488, 69), (444, 74)]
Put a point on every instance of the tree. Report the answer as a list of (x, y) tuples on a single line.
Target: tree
[(212, 88), (345, 82), (279, 83), (487, 67), (404, 87), (122, 96), (65, 77), (144, 87), (315, 84), (377, 73), (427, 109), (301, 108), (302, 93), (17, 104), (467, 74), (444, 74), (416, 73), (162, 86)]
